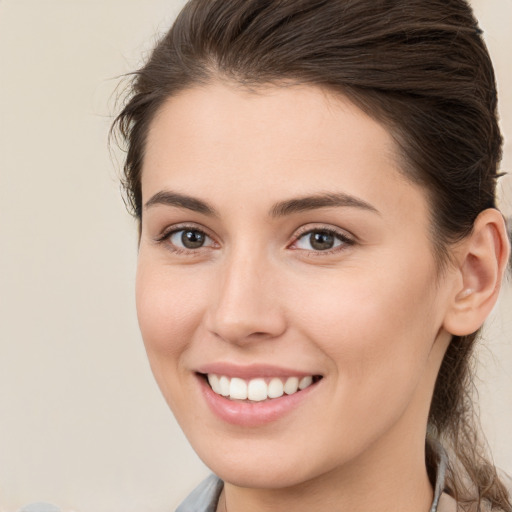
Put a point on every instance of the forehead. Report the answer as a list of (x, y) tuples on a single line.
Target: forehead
[(275, 141)]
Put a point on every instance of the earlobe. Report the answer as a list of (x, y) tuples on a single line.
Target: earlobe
[(482, 258)]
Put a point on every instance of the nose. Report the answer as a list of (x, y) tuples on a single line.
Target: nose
[(245, 306)]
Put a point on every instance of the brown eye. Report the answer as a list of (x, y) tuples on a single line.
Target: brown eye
[(189, 239), (192, 239), (322, 240)]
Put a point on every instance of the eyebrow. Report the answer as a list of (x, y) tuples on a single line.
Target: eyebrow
[(316, 201), (181, 201), (281, 209)]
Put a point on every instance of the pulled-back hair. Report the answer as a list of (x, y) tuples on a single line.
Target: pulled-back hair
[(418, 67)]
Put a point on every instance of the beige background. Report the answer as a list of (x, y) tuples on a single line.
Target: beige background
[(82, 423)]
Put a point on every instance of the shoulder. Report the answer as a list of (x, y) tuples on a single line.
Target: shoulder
[(204, 497), (39, 507)]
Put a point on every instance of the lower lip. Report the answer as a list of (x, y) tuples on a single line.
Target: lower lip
[(252, 414)]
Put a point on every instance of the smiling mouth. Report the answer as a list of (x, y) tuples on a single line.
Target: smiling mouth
[(259, 389)]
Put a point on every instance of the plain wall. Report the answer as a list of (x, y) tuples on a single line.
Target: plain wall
[(82, 424)]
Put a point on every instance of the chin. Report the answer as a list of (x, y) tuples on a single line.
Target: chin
[(269, 475), (265, 464)]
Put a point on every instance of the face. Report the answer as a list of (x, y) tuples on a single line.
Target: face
[(284, 258)]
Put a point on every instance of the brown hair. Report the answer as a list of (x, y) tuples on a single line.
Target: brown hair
[(419, 67)]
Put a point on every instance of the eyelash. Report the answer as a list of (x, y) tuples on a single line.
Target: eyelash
[(346, 241)]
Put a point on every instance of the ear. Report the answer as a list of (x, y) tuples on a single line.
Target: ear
[(481, 262)]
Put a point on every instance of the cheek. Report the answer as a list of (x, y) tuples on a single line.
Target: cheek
[(168, 309), (377, 329)]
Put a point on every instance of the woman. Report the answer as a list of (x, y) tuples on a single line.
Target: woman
[(319, 246)]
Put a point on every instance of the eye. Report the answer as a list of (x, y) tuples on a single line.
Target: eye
[(321, 240), (189, 239)]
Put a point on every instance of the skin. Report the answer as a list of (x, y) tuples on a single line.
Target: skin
[(372, 316)]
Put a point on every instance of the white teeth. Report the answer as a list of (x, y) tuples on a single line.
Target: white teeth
[(275, 388), (224, 386), (238, 389), (214, 383), (291, 385), (258, 389), (305, 382)]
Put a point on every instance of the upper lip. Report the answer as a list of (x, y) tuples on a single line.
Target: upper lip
[(251, 371)]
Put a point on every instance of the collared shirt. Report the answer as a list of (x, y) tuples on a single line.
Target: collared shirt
[(205, 496)]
